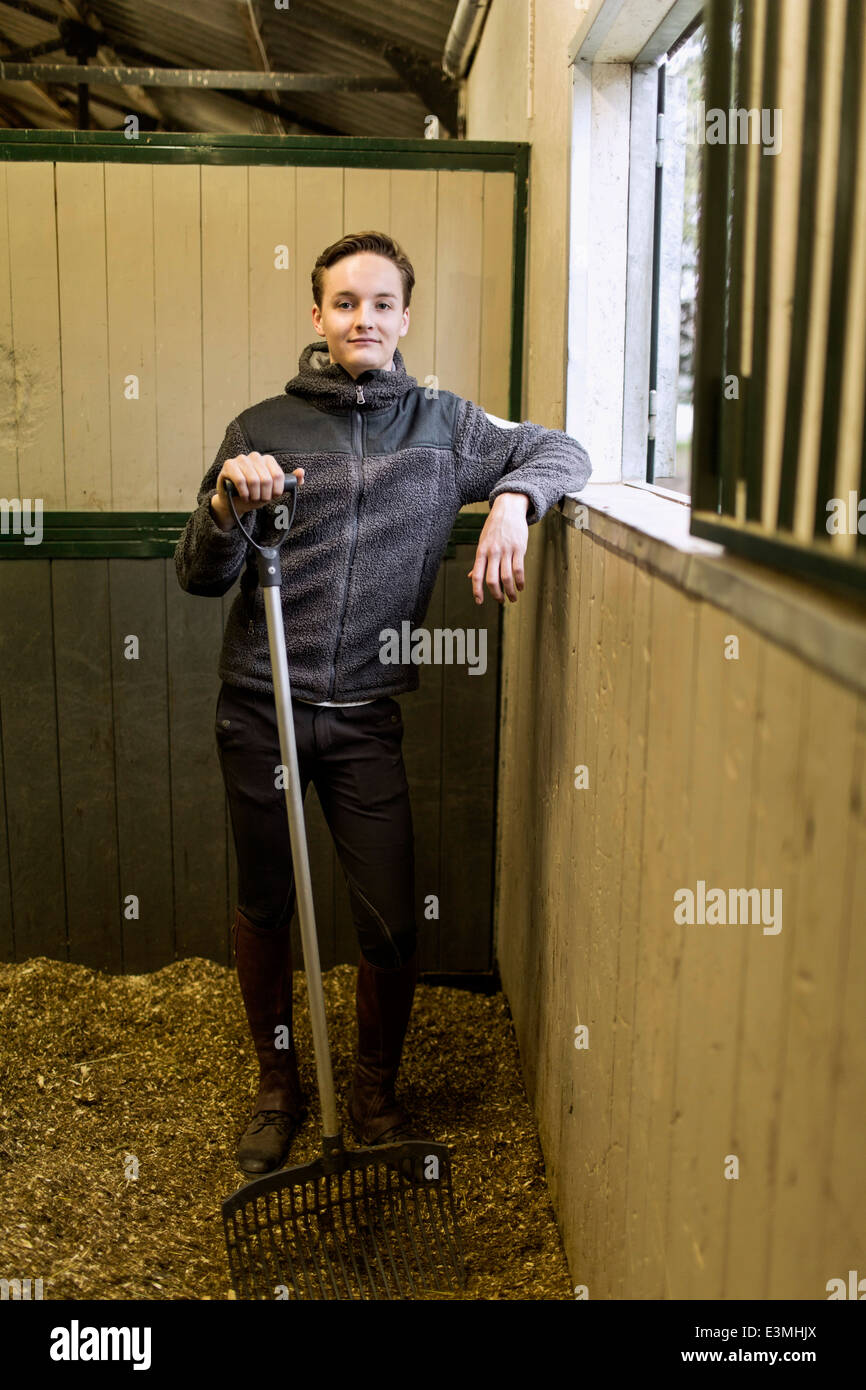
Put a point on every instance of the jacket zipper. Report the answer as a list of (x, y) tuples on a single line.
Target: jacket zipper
[(357, 434)]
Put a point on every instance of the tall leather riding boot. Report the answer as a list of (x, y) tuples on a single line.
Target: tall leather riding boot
[(264, 963), (384, 1003)]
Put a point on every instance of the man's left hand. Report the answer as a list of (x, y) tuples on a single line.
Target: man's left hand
[(501, 548)]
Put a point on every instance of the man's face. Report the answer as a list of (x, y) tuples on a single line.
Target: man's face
[(362, 316)]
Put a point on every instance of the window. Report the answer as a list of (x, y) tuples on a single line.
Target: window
[(676, 218)]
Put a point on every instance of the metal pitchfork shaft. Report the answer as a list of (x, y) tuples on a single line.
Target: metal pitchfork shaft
[(269, 579)]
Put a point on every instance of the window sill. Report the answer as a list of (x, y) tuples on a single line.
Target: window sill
[(653, 530)]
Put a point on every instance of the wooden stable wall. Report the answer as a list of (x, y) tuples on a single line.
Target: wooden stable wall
[(110, 783), (162, 261), (167, 272), (704, 1041)]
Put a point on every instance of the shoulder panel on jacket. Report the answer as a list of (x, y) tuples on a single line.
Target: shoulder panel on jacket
[(289, 425), (415, 422)]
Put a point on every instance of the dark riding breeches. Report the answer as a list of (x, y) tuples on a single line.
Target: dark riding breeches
[(353, 756)]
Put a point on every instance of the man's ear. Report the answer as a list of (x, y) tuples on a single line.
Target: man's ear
[(404, 327)]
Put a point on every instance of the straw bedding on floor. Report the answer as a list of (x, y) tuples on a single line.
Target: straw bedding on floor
[(122, 1099)]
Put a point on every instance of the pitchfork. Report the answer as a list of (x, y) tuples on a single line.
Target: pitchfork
[(364, 1223)]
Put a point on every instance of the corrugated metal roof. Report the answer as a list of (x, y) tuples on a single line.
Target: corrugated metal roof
[(319, 36)]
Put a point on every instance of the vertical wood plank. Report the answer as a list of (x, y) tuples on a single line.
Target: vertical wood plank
[(574, 557), (814, 984), (177, 276), (87, 772), (8, 402), (139, 690), (459, 240), (39, 394), (595, 1071), (225, 299), (497, 253), (614, 709), (843, 1244), (319, 224), (194, 637), (273, 308), (780, 734), (712, 956), (131, 345), (628, 980), (468, 772), (666, 865), (34, 823), (582, 835), (366, 201), (84, 335), (413, 225)]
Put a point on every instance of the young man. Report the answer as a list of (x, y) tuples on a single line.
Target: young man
[(383, 470)]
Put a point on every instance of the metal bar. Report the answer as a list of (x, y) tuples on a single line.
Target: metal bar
[(300, 859), (709, 316), (298, 1241), (756, 405), (353, 1191), (656, 273), (732, 410), (198, 79), (806, 219), (843, 228)]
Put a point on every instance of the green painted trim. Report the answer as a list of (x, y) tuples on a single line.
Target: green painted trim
[(179, 138), (144, 535), (807, 560), (518, 289), (161, 147)]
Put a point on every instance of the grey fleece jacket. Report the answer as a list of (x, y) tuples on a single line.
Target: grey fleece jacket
[(388, 465)]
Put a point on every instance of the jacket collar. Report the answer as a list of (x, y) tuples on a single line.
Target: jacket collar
[(328, 385)]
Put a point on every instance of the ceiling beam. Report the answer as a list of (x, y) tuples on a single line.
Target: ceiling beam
[(199, 79)]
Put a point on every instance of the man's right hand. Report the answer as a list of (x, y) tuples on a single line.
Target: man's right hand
[(258, 479)]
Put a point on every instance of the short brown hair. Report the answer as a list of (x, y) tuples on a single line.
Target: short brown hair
[(350, 245)]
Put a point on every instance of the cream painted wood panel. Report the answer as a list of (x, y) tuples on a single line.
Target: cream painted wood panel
[(496, 270), (225, 298), (367, 200), (319, 224), (458, 280), (177, 281), (8, 402), (273, 285), (131, 336), (81, 272), (35, 342), (171, 274), (413, 213)]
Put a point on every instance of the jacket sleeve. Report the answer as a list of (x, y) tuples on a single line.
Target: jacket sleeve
[(493, 456), (207, 559)]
